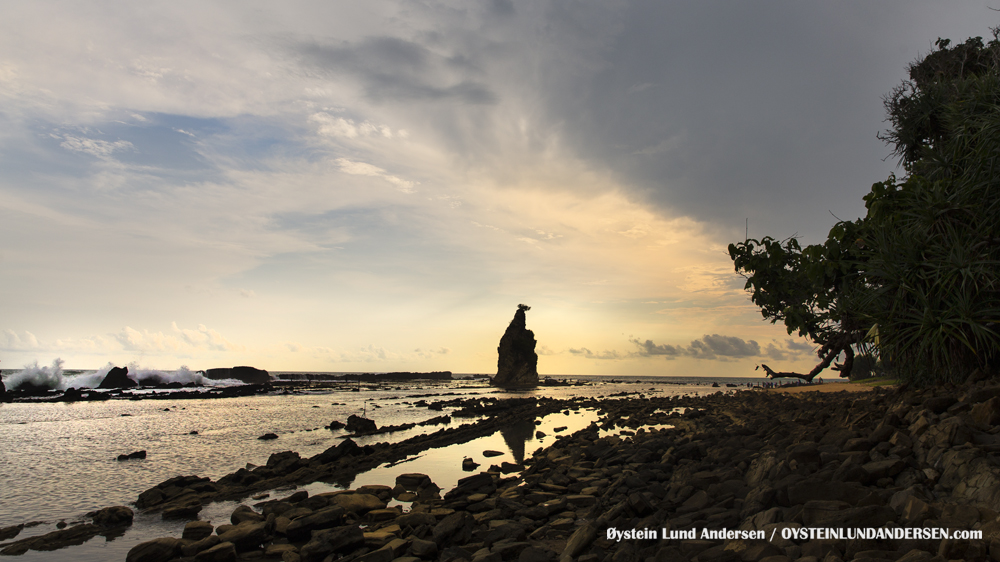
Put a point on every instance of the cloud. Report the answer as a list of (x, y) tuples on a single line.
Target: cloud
[(95, 147), (648, 348), (180, 341), (365, 169), (723, 348), (346, 128), (715, 346), (14, 342), (588, 354), (431, 353), (397, 70)]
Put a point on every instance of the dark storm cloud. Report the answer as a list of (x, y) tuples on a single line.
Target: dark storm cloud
[(715, 346), (393, 69), (724, 112), (737, 110), (648, 348)]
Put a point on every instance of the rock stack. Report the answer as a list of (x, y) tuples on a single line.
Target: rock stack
[(117, 378), (517, 365)]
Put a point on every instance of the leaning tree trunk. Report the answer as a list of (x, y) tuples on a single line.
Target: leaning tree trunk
[(828, 353)]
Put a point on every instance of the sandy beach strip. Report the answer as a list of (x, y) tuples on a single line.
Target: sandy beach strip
[(826, 387)]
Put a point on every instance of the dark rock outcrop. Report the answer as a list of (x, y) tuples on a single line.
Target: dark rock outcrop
[(130, 456), (358, 425), (249, 375), (117, 378), (517, 365), (116, 516)]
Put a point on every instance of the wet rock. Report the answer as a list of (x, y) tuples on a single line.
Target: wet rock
[(134, 455), (412, 480), (222, 552), (456, 527), (987, 413), (117, 516), (249, 375), (117, 377), (248, 535), (197, 530), (7, 533), (299, 529), (416, 519), (423, 549), (535, 554), (359, 425), (184, 510), (245, 513), (580, 540), (346, 448), (358, 504), (156, 550), (470, 485), (469, 465), (517, 365), (192, 548), (332, 541), (883, 469), (55, 540)]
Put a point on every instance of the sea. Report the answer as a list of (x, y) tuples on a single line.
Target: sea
[(58, 461)]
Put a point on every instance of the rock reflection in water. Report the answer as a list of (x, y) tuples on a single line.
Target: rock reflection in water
[(516, 435)]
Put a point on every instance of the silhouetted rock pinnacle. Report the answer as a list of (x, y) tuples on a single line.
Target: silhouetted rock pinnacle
[(117, 378), (518, 362)]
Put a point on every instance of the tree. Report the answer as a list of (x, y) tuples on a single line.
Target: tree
[(806, 288), (922, 268)]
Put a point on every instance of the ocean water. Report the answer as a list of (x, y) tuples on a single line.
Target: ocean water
[(58, 460)]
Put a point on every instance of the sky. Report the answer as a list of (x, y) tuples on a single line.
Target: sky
[(375, 186)]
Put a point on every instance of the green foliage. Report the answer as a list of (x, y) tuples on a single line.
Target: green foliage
[(924, 264), (805, 288)]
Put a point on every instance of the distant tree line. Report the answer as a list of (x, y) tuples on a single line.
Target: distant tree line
[(913, 288)]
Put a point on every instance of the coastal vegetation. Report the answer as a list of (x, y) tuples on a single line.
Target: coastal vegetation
[(913, 288)]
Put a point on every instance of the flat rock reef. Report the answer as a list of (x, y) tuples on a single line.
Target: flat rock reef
[(656, 479)]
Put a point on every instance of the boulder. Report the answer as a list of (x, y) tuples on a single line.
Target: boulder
[(517, 365), (156, 550), (7, 533), (197, 530), (117, 516), (55, 540), (246, 536), (133, 455), (331, 541), (222, 552), (412, 480), (358, 504), (245, 513), (987, 413), (300, 528), (249, 375), (117, 378), (346, 447), (358, 425)]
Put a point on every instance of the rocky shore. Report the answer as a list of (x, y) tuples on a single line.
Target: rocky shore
[(752, 461)]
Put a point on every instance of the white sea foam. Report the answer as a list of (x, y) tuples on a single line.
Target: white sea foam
[(55, 378)]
